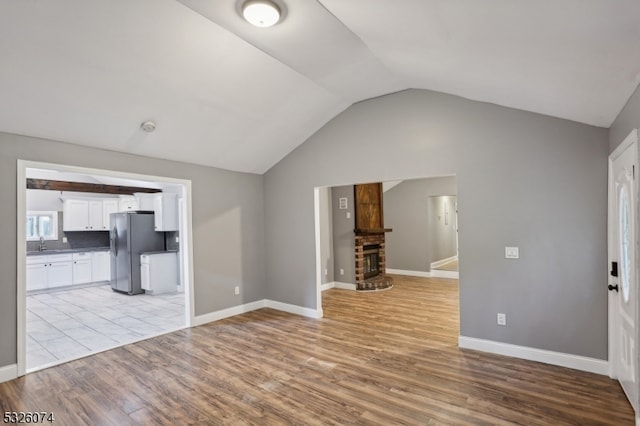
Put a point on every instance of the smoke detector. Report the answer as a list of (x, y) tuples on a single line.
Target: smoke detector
[(148, 126)]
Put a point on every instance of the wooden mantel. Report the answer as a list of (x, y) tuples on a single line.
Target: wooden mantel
[(372, 231)]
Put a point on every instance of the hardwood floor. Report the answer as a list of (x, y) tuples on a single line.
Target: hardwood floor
[(382, 358), (449, 266)]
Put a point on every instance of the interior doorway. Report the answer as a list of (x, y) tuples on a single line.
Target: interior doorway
[(408, 252), (77, 302)]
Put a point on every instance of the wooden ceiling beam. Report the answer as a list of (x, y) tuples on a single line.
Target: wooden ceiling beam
[(58, 185)]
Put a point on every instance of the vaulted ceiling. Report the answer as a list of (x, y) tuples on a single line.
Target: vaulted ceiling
[(229, 95)]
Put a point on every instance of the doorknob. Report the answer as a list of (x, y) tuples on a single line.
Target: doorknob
[(612, 287)]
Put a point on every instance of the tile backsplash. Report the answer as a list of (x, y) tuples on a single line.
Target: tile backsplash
[(88, 239), (76, 239)]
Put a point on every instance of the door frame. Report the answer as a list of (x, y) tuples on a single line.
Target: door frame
[(186, 245), (629, 141)]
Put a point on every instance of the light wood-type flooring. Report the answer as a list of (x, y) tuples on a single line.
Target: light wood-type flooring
[(449, 266), (385, 358)]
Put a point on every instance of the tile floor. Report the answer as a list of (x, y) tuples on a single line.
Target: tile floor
[(68, 324)]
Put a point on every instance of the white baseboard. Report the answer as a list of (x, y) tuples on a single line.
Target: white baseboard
[(293, 309), (441, 262), (259, 304), (437, 273), (344, 286), (8, 372), (576, 362), (421, 274), (229, 312), (327, 286)]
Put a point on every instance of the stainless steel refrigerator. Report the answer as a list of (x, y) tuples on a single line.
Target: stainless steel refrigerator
[(132, 233)]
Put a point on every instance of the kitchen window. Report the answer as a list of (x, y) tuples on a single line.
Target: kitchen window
[(42, 224)]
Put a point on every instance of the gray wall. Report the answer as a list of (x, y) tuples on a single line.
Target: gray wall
[(442, 231), (406, 211), (627, 120), (228, 224), (524, 179), (326, 234), (344, 243)]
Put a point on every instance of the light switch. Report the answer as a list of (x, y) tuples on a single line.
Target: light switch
[(348, 215), (511, 253)]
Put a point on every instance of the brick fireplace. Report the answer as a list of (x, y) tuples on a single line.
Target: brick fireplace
[(371, 263)]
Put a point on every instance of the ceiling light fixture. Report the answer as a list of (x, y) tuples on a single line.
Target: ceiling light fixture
[(261, 13), (148, 126)]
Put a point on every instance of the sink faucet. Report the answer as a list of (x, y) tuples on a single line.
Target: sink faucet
[(43, 246)]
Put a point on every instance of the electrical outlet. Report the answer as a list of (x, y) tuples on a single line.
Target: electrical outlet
[(511, 253), (64, 239), (177, 239), (341, 271), (502, 319), (237, 290)]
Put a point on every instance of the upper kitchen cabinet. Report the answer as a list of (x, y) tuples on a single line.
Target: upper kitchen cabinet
[(76, 215), (108, 207), (165, 207), (129, 203), (88, 215)]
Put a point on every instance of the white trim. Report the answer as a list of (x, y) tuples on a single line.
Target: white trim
[(327, 286), (21, 269), (317, 231), (576, 362), (422, 274), (252, 306), (437, 273), (8, 372), (344, 286), (294, 309), (186, 240), (441, 262), (229, 312)]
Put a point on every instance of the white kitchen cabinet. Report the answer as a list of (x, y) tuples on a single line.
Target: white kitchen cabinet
[(88, 215), (82, 268), (59, 274), (145, 200), (95, 215), (165, 207), (108, 207), (48, 271), (127, 204), (100, 266), (76, 215), (36, 273)]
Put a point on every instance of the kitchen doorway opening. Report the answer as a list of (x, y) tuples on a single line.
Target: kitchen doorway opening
[(67, 308)]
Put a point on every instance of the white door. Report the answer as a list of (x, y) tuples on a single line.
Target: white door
[(623, 294)]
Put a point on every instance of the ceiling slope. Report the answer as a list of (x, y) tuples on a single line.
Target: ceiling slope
[(228, 95), (573, 59)]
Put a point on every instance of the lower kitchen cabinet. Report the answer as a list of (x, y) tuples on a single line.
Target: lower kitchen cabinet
[(101, 266), (49, 271), (58, 270), (82, 268)]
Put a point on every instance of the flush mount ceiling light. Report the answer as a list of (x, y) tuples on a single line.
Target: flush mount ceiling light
[(148, 126), (261, 13)]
